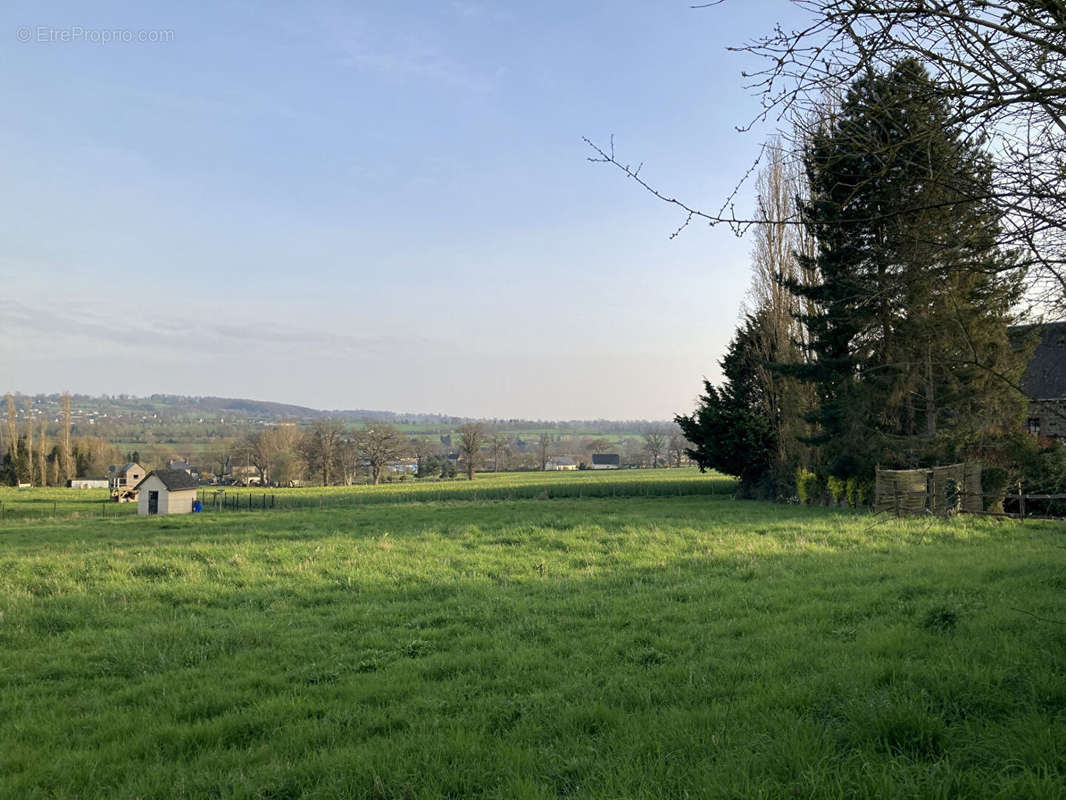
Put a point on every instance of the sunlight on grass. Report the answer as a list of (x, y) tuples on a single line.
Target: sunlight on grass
[(594, 647)]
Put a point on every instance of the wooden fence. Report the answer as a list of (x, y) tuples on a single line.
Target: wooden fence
[(956, 489)]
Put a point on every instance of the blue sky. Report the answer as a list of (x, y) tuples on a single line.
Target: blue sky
[(372, 205)]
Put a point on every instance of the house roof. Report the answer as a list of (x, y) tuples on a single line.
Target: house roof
[(128, 467), (1045, 375), (606, 458), (562, 461), (174, 479)]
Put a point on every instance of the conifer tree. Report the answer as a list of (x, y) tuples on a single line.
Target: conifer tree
[(912, 295), (732, 430)]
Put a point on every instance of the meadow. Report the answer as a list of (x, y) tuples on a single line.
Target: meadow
[(579, 646), (47, 503)]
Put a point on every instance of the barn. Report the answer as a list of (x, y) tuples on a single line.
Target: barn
[(166, 491), (606, 461)]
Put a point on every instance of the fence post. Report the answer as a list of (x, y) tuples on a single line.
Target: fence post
[(1021, 501)]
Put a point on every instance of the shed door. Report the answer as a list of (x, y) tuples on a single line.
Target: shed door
[(153, 502)]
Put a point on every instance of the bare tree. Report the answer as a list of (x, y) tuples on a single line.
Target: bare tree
[(321, 446), (42, 450), (65, 456), (252, 446), (12, 429), (29, 441), (471, 437), (998, 66), (379, 444), (544, 444), (676, 445), (655, 440), (500, 445)]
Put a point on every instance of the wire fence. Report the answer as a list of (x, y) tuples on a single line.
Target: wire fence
[(251, 500)]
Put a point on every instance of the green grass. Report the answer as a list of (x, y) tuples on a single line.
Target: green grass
[(37, 504), (581, 647)]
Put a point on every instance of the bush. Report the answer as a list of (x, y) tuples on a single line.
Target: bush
[(837, 489), (858, 492), (808, 487), (994, 482)]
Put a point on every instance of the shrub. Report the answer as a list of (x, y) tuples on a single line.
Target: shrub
[(857, 492), (994, 482), (808, 487), (837, 489)]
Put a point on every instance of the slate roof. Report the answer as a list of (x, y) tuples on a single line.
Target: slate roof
[(174, 479), (1045, 376), (607, 459)]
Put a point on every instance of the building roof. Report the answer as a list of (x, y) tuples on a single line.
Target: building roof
[(128, 467), (562, 461), (174, 479), (606, 458), (1045, 376)]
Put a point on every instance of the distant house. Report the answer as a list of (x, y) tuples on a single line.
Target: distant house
[(89, 483), (560, 464), (606, 461), (123, 481), (166, 491), (185, 465), (1044, 380)]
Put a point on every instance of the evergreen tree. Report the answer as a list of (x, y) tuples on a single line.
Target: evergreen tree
[(912, 294), (731, 431)]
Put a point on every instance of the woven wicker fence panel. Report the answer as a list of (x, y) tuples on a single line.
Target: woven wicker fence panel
[(947, 488), (901, 491), (973, 500)]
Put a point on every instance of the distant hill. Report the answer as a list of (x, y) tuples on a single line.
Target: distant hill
[(170, 408)]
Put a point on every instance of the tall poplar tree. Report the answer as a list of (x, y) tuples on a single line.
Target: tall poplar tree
[(912, 293)]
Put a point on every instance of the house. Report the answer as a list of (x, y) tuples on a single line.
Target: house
[(1044, 380), (122, 482), (560, 464), (166, 491), (606, 461), (89, 483)]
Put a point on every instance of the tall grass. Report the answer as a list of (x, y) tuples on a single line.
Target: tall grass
[(42, 504), (593, 647)]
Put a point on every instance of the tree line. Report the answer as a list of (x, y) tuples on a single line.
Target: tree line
[(330, 452), (884, 289)]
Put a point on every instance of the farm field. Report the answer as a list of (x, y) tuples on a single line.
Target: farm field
[(46, 503), (659, 646)]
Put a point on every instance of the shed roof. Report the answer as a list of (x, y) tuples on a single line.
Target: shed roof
[(174, 479), (606, 458), (1045, 375)]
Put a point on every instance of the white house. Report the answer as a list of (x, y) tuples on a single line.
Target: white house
[(560, 464), (89, 483), (166, 491)]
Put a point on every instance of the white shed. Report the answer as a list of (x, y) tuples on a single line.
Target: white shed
[(166, 491)]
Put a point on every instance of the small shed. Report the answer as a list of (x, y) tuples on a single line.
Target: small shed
[(166, 491)]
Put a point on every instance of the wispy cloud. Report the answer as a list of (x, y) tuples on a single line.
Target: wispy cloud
[(75, 330), (412, 55)]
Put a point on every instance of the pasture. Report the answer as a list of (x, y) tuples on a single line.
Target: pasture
[(613, 646), (36, 504)]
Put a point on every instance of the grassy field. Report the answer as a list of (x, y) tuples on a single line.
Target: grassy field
[(657, 646), (41, 504)]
